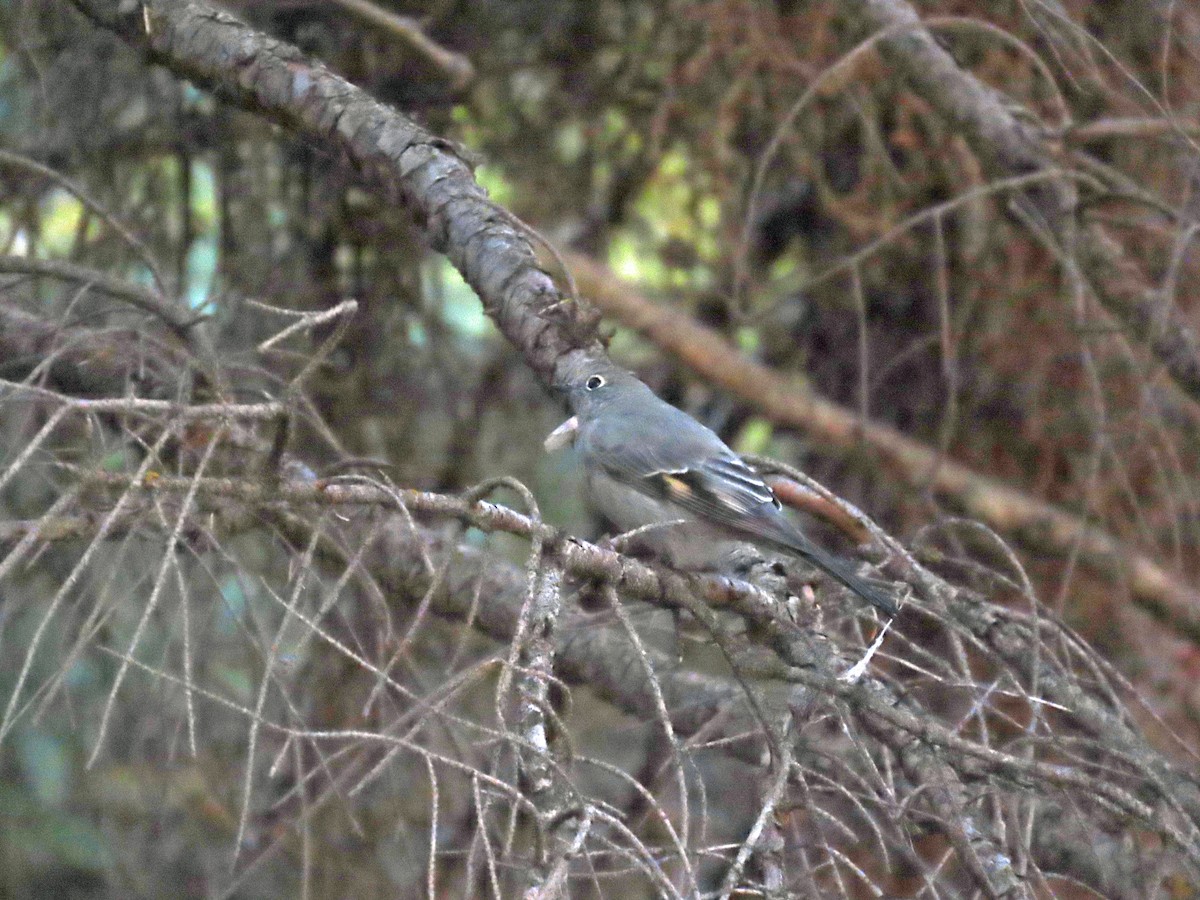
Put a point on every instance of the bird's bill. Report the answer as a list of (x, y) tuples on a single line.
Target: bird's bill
[(562, 436)]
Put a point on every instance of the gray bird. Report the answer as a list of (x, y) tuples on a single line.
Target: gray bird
[(650, 464)]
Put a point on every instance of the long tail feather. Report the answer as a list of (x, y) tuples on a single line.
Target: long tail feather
[(840, 570)]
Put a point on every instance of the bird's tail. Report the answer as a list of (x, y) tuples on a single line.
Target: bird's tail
[(840, 570)]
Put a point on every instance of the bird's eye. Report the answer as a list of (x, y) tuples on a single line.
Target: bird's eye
[(596, 381)]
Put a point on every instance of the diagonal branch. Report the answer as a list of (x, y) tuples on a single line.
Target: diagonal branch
[(392, 153), (1008, 146), (454, 66)]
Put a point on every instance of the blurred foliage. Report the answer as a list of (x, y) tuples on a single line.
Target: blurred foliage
[(628, 129)]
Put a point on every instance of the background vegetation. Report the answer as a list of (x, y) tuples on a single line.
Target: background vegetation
[(286, 606)]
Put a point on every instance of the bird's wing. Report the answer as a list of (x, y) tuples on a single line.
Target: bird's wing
[(722, 488), (696, 471)]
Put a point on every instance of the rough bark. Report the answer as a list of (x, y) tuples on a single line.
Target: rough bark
[(426, 173)]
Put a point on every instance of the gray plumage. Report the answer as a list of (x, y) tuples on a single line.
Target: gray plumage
[(648, 463)]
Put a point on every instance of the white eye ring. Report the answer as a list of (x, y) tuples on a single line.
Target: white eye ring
[(595, 382)]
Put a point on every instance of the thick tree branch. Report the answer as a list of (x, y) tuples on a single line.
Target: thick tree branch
[(419, 169)]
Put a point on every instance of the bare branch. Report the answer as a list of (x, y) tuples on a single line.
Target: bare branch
[(454, 66)]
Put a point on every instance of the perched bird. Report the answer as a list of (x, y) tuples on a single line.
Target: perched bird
[(651, 466)]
